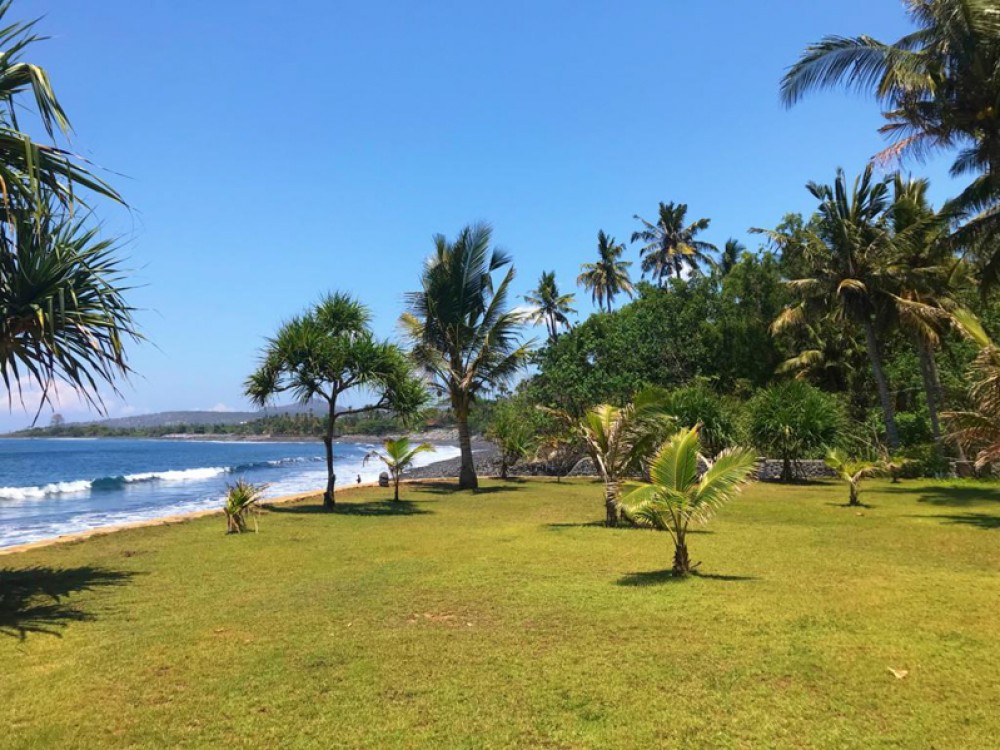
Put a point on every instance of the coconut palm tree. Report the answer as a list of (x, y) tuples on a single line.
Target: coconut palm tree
[(549, 306), (465, 337), (670, 244), (852, 471), (327, 352), (608, 277), (678, 494), (399, 456), (846, 250), (938, 86), (729, 256), (619, 439)]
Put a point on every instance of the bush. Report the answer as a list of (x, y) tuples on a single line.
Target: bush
[(241, 501), (696, 403), (792, 421)]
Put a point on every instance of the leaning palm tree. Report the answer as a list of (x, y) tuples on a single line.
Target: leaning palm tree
[(678, 494), (938, 86), (846, 250), (549, 306), (330, 351), (852, 471), (608, 277), (619, 439), (399, 456), (464, 336), (670, 244), (63, 313)]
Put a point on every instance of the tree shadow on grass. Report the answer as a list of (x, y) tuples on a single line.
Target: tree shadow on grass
[(622, 527), (451, 488), (860, 506), (659, 577), (985, 521), (372, 509), (35, 600), (949, 496)]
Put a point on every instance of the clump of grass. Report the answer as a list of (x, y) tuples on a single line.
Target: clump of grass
[(242, 502)]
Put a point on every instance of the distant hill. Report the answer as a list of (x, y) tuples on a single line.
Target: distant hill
[(194, 418)]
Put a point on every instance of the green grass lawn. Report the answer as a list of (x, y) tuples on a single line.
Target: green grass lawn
[(510, 618)]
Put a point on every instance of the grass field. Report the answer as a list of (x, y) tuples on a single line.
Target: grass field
[(511, 619)]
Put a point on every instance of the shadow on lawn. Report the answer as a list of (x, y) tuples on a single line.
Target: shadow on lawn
[(985, 521), (622, 527), (949, 496), (34, 600), (657, 577), (372, 508), (451, 488)]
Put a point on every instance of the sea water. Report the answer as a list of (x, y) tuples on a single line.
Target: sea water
[(50, 487)]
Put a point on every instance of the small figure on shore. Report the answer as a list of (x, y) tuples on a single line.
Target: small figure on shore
[(359, 479)]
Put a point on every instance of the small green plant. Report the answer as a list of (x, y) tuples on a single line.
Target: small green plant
[(512, 430), (853, 471), (676, 496), (398, 457), (242, 501)]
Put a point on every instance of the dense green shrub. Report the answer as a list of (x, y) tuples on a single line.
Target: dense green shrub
[(792, 421), (698, 403)]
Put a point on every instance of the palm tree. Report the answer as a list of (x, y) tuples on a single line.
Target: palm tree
[(550, 307), (852, 471), (619, 439), (670, 243), (846, 249), (63, 315), (464, 336), (398, 457), (678, 494), (978, 429), (242, 500), (326, 352), (729, 256), (608, 277), (938, 87)]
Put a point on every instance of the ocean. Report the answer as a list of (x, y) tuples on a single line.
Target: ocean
[(50, 487)]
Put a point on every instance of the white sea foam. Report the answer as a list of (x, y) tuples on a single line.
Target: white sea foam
[(36, 493), (181, 475)]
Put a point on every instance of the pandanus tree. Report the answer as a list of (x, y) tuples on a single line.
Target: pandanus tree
[(464, 335), (619, 439), (845, 251), (548, 306), (938, 86), (609, 276), (63, 314), (670, 244), (330, 351), (679, 493), (398, 455)]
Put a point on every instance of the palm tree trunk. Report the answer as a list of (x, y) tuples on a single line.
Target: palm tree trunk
[(395, 487), (855, 497), (329, 499), (611, 503), (932, 391), (467, 479), (875, 357), (682, 562)]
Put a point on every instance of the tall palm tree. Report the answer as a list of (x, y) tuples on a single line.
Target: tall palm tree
[(938, 86), (398, 456), (846, 250), (678, 494), (465, 337), (670, 243), (549, 306), (330, 351), (608, 277), (619, 439), (729, 256)]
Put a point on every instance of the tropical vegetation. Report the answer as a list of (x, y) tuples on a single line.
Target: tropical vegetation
[(398, 455)]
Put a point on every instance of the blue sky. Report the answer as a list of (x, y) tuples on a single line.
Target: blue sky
[(274, 151)]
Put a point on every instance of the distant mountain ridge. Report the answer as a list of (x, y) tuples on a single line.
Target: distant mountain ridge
[(194, 418)]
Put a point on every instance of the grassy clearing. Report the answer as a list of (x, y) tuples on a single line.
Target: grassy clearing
[(510, 618)]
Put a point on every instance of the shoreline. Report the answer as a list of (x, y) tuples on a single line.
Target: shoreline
[(444, 469)]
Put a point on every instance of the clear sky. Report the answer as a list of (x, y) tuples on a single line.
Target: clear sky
[(274, 151)]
